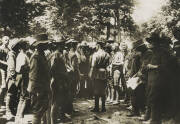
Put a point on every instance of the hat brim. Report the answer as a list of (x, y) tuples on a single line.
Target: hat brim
[(71, 42), (140, 47), (110, 41), (37, 43)]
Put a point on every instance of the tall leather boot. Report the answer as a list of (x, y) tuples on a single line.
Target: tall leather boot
[(103, 104), (147, 114), (155, 115), (96, 108)]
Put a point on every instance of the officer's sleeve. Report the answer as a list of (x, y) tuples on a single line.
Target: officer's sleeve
[(33, 73)]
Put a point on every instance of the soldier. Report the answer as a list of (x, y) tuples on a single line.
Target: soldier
[(138, 94), (39, 79), (22, 78), (84, 68), (117, 71), (72, 66), (98, 72), (135, 67), (59, 81), (11, 99), (4, 52), (159, 79), (177, 55)]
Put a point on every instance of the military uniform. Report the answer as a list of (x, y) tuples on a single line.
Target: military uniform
[(158, 83), (100, 61), (59, 84), (84, 67), (73, 70), (39, 85), (22, 79)]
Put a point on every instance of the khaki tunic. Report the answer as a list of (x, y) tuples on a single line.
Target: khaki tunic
[(39, 75), (100, 62), (158, 79), (39, 83)]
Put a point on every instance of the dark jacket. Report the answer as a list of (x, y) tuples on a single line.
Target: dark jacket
[(39, 75)]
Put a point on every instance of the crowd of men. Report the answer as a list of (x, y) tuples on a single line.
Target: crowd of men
[(44, 76)]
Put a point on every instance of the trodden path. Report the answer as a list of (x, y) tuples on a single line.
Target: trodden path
[(116, 114)]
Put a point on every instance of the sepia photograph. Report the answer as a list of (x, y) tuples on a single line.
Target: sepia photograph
[(89, 61)]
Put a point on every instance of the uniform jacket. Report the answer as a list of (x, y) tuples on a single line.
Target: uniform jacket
[(134, 64), (57, 66), (100, 62), (39, 74)]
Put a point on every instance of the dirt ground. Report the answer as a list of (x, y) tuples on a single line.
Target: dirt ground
[(116, 114)]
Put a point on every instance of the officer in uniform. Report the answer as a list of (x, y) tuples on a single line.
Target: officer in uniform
[(98, 72), (59, 80), (39, 79), (72, 66), (158, 79), (84, 67)]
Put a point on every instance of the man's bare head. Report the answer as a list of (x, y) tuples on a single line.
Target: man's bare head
[(5, 40)]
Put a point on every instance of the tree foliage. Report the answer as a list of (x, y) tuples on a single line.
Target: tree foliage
[(167, 20), (80, 19)]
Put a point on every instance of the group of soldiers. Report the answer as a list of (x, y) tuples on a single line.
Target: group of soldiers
[(48, 74)]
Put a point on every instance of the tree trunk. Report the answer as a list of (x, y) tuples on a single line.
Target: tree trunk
[(108, 30)]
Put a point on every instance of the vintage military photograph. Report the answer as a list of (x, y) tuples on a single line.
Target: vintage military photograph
[(89, 61)]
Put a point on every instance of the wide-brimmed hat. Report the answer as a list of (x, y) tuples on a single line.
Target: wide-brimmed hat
[(137, 44), (14, 43), (72, 41), (154, 37), (41, 39), (101, 43), (110, 40), (165, 40)]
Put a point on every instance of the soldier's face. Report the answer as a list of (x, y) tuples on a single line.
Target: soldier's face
[(5, 41)]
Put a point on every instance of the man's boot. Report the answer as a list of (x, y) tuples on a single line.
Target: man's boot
[(147, 114), (103, 104), (96, 108)]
